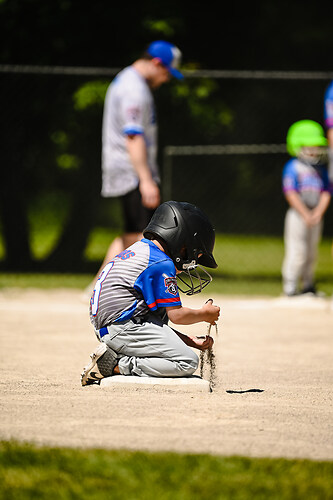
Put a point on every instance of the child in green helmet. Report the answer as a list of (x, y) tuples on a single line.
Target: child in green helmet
[(308, 192)]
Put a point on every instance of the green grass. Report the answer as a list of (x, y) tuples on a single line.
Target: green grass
[(98, 243), (220, 285), (248, 265), (44, 280), (28, 472)]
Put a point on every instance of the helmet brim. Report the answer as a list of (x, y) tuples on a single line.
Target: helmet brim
[(207, 261)]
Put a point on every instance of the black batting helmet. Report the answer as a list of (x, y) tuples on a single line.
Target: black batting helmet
[(187, 233)]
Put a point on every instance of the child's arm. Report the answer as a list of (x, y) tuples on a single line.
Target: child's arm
[(295, 201), (319, 211), (186, 316), (313, 216)]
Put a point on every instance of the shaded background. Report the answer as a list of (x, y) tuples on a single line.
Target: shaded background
[(57, 59)]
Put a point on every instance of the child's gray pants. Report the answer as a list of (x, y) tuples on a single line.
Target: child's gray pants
[(301, 245), (149, 348)]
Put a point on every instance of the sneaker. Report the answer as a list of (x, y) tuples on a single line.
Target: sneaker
[(312, 291), (103, 362)]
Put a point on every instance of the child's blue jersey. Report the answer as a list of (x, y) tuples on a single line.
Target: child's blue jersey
[(328, 106), (309, 181), (140, 279)]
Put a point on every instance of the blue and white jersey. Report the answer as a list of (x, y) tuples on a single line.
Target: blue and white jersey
[(308, 180), (328, 106), (140, 279), (128, 109)]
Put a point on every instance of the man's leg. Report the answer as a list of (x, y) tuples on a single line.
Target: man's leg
[(135, 219), (116, 247)]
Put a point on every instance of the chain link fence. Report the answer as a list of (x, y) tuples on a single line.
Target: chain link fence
[(229, 165)]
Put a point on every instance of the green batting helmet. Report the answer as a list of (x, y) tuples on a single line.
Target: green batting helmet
[(305, 133)]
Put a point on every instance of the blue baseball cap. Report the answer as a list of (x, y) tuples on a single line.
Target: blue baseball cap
[(169, 55)]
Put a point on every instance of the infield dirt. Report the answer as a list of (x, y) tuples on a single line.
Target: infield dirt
[(272, 398)]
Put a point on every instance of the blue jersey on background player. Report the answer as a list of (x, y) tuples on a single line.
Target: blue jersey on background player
[(328, 118), (328, 106)]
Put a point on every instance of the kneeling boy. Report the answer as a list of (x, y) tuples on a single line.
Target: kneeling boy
[(137, 293)]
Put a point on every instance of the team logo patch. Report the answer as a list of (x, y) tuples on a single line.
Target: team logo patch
[(171, 285), (133, 114)]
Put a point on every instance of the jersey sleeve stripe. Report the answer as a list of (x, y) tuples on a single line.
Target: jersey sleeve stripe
[(133, 131), (167, 301), (164, 302)]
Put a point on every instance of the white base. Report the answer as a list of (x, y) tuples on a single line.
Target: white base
[(181, 384)]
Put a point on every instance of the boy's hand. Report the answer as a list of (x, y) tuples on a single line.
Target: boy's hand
[(203, 343), (212, 312)]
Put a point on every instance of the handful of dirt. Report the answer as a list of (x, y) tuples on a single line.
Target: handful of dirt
[(208, 363)]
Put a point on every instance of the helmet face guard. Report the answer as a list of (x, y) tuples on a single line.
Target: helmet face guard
[(313, 155), (193, 282)]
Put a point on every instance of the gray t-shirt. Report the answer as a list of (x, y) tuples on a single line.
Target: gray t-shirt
[(128, 109)]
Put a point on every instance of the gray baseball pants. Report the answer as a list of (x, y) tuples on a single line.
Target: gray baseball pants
[(301, 246), (150, 349)]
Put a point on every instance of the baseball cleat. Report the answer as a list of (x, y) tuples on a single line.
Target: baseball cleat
[(103, 362)]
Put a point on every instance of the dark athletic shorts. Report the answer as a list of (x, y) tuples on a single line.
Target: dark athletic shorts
[(136, 216)]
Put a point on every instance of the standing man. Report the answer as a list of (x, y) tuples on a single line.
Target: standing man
[(129, 140)]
